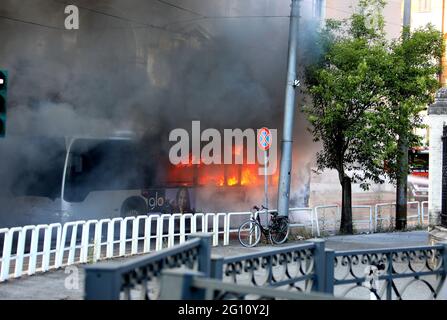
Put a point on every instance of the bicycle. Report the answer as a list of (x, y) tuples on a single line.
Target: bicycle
[(277, 230)]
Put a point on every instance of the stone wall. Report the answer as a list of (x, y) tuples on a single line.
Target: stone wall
[(437, 119)]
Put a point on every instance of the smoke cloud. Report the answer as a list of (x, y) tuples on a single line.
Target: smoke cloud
[(142, 66)]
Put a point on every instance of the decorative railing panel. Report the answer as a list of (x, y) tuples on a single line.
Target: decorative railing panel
[(189, 285), (401, 273), (295, 267), (138, 278)]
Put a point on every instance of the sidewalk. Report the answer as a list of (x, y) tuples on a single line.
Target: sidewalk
[(52, 285), (379, 240)]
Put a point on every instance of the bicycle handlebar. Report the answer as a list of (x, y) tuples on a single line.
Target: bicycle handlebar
[(259, 209)]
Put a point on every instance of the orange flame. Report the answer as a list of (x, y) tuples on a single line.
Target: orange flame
[(246, 175), (250, 176), (232, 181)]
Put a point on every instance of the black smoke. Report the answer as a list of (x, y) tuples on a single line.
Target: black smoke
[(146, 67)]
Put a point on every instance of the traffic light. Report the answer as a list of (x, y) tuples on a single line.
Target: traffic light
[(3, 92)]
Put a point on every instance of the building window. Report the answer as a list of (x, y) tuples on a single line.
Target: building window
[(424, 6)]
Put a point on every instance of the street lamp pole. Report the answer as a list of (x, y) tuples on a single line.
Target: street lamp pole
[(289, 110), (407, 13), (402, 143)]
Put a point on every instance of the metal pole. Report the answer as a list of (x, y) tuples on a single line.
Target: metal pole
[(407, 13), (402, 161), (322, 11), (289, 108), (266, 194)]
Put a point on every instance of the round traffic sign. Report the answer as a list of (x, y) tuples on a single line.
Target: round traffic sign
[(264, 139)]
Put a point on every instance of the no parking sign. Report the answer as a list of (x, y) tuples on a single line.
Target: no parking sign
[(264, 139), (265, 142)]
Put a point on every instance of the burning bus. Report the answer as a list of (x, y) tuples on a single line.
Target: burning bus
[(121, 176)]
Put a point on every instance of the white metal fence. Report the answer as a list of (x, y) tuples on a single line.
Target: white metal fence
[(384, 219), (39, 248)]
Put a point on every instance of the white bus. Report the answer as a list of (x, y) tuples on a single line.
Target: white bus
[(103, 178), (123, 176)]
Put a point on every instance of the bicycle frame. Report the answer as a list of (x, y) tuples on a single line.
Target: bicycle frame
[(265, 230), (270, 231)]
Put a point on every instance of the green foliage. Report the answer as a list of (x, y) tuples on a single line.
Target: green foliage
[(367, 92), (410, 85), (346, 87)]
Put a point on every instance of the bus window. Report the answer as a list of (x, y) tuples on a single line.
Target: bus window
[(211, 175), (418, 162), (179, 175), (105, 165)]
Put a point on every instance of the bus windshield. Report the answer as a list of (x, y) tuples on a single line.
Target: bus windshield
[(418, 161)]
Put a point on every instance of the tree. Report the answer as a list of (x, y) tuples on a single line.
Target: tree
[(410, 84), (367, 97), (346, 87)]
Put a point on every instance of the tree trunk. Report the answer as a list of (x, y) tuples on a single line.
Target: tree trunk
[(402, 181), (346, 206)]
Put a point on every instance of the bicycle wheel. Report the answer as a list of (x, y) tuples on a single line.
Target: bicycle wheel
[(249, 234), (279, 231)]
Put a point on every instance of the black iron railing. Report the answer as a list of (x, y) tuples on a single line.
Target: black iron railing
[(138, 278), (304, 271), (387, 273), (189, 285), (444, 179), (297, 267)]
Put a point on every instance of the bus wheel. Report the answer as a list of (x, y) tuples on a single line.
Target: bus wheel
[(133, 206)]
